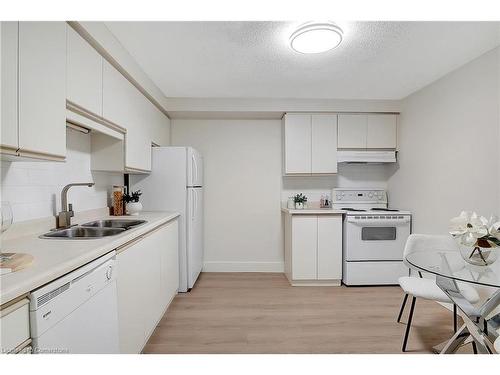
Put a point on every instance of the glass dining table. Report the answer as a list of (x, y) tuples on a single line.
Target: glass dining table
[(481, 323)]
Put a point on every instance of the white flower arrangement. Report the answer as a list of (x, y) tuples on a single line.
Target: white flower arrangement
[(472, 230)]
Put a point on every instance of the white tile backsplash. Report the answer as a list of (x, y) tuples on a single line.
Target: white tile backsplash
[(348, 176), (34, 188)]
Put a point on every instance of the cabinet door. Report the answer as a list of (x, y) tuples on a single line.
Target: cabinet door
[(297, 130), (304, 247), (160, 126), (170, 262), (151, 294), (352, 131), (139, 135), (123, 105), (117, 96), (8, 83), (324, 143), (148, 279), (84, 82), (382, 131), (132, 309), (329, 247), (42, 87)]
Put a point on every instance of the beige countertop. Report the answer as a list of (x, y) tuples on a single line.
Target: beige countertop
[(54, 258), (313, 211)]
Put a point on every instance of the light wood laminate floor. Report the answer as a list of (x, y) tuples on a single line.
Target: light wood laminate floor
[(262, 313)]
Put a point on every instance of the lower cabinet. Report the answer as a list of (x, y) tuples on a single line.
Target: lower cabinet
[(313, 249), (148, 279), (14, 327)]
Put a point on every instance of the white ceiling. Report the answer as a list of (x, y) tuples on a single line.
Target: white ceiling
[(377, 60)]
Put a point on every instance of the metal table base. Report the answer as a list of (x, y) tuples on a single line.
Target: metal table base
[(477, 326)]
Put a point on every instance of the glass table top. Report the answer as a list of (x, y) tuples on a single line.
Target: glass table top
[(451, 265)]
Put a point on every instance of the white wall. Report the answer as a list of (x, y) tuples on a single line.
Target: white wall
[(33, 188), (242, 184), (244, 188), (449, 137)]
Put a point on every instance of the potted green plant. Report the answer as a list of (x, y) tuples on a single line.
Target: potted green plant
[(133, 204), (300, 201)]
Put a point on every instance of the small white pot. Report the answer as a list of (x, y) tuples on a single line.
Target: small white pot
[(133, 208), (299, 205)]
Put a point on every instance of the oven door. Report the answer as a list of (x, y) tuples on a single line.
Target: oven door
[(368, 238)]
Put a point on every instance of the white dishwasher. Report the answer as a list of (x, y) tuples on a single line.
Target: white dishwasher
[(78, 312)]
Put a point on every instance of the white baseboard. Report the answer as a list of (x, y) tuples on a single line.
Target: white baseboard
[(243, 267)]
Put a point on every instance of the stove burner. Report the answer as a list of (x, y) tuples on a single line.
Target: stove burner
[(352, 209), (384, 209)]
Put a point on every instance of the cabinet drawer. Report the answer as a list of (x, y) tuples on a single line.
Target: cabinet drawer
[(14, 325)]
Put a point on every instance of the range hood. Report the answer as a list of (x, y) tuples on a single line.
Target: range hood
[(366, 156)]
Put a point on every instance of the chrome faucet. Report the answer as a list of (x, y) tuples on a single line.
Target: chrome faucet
[(64, 217)]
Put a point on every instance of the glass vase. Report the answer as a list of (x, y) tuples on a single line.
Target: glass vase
[(479, 256)]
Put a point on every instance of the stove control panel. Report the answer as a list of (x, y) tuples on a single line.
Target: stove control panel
[(360, 195)]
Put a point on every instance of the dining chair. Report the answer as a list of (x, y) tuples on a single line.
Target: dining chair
[(420, 287)]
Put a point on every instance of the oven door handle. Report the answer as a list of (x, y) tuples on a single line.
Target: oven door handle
[(379, 222)]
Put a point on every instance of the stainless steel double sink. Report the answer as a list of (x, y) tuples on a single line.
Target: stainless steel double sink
[(94, 229)]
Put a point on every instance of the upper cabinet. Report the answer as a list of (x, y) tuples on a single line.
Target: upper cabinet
[(352, 131), (323, 141), (8, 110), (367, 131), (34, 64), (51, 75), (310, 144), (381, 131), (42, 89), (297, 148), (125, 106), (118, 96), (84, 78)]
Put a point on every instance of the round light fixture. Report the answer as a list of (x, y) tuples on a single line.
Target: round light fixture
[(316, 37)]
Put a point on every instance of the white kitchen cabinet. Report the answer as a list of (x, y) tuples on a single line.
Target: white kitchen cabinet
[(304, 247), (151, 257), (9, 60), (131, 285), (329, 247), (367, 131), (139, 136), (381, 131), (169, 263), (310, 144), (118, 96), (148, 279), (84, 78), (313, 249), (160, 126), (352, 131), (324, 141), (125, 106), (34, 90), (297, 148), (42, 89), (14, 326)]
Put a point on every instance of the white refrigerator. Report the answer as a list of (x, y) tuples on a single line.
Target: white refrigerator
[(176, 184)]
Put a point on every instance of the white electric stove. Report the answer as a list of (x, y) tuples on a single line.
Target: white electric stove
[(374, 237)]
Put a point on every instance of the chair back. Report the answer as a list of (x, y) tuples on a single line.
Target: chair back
[(429, 242)]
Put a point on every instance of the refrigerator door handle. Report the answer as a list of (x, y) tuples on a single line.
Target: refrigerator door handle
[(195, 170), (193, 204)]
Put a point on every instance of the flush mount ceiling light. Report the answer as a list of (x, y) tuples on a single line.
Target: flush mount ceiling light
[(316, 37)]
